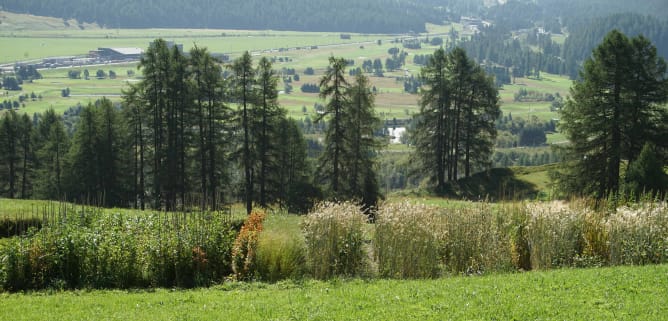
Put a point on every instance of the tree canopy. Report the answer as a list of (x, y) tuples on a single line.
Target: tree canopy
[(616, 107), (455, 125)]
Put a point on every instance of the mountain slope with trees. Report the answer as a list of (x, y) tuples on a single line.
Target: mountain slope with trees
[(368, 16)]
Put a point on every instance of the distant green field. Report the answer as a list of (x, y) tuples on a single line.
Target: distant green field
[(305, 50), (620, 293)]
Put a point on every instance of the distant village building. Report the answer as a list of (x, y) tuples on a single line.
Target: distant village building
[(125, 53), (117, 53), (473, 24)]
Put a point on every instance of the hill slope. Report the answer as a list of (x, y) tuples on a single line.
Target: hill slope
[(10, 21), (368, 16)]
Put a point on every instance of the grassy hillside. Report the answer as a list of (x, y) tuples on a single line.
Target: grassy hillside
[(622, 293), (16, 22)]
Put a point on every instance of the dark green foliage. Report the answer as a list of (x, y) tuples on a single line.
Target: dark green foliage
[(27, 73), (585, 36), (532, 136), (170, 145), (370, 16), (495, 184), (612, 112), (455, 126), (94, 163), (646, 174), (346, 166), (9, 153), (74, 74), (360, 122), (266, 124), (52, 144), (11, 83), (243, 85), (84, 248), (297, 193), (333, 87), (310, 88)]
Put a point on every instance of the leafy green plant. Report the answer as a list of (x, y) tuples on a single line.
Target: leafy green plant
[(90, 249)]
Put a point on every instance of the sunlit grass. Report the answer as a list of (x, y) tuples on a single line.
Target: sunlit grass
[(622, 293)]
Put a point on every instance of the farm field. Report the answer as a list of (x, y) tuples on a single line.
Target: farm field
[(391, 101), (25, 37), (621, 293)]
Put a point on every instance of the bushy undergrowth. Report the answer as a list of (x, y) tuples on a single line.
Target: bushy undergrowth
[(94, 250), (406, 241), (89, 249), (335, 240), (638, 235), (244, 250), (280, 256), (418, 241)]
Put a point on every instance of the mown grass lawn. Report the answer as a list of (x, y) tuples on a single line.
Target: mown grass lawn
[(622, 293)]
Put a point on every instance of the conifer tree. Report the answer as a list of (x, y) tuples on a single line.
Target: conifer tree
[(361, 145), (333, 86), (615, 107)]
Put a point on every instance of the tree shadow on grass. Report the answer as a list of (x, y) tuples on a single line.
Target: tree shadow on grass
[(494, 185)]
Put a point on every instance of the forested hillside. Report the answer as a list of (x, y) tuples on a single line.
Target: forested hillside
[(366, 16), (369, 16), (585, 36)]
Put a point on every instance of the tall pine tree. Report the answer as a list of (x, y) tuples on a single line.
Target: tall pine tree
[(615, 107), (333, 86)]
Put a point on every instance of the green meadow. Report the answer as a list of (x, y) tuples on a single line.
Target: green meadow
[(622, 293)]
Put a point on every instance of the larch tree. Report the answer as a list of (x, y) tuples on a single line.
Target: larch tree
[(456, 123), (431, 134), (362, 146), (243, 84), (52, 145), (206, 77), (614, 109), (133, 108), (297, 193), (333, 86), (266, 119), (9, 151)]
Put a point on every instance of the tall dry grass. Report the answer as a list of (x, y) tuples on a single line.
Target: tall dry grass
[(334, 236), (638, 235), (419, 241), (407, 241)]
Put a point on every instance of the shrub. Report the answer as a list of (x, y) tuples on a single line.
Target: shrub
[(406, 241), (334, 240), (89, 249), (244, 250), (639, 235), (554, 235), (476, 239)]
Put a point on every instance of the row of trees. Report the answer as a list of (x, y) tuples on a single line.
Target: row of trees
[(176, 141), (455, 127), (346, 166), (188, 139)]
